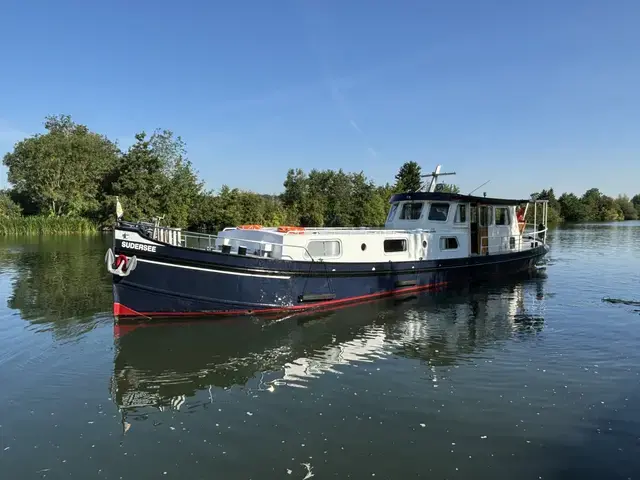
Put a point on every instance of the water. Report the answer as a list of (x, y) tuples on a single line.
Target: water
[(530, 378)]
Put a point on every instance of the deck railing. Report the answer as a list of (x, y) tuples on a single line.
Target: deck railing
[(491, 244), (348, 230), (211, 242)]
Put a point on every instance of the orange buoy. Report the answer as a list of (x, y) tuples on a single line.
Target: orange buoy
[(289, 229), (250, 227)]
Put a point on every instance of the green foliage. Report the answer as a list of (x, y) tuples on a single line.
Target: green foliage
[(334, 199), (571, 208), (593, 206), (408, 178), (154, 179), (636, 203), (627, 208), (450, 188), (60, 172), (45, 225), (8, 208)]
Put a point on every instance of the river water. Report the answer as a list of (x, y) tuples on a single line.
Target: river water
[(529, 378)]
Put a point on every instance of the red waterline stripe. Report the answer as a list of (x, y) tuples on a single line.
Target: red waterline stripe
[(120, 310)]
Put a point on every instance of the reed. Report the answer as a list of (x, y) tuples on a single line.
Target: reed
[(40, 225)]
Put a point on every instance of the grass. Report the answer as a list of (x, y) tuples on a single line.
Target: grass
[(39, 225)]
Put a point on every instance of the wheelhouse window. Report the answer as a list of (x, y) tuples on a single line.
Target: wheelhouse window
[(395, 245), (324, 248), (461, 213), (392, 212), (448, 243), (502, 216), (485, 215), (439, 212), (411, 211)]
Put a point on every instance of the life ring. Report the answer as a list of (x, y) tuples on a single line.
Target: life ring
[(120, 259), (250, 227), (288, 229)]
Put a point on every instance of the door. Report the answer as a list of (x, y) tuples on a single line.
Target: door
[(484, 219), (473, 229)]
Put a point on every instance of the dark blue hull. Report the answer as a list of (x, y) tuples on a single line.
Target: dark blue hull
[(174, 281)]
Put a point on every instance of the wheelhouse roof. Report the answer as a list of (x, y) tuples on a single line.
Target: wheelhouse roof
[(453, 197)]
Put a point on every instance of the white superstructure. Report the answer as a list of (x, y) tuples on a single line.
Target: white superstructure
[(420, 226)]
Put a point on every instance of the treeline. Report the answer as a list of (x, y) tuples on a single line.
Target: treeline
[(70, 173), (592, 206)]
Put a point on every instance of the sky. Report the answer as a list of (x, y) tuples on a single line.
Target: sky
[(525, 95)]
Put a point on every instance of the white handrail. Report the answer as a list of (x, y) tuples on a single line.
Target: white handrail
[(533, 235), (211, 241)]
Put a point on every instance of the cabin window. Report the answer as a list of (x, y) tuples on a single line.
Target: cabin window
[(448, 243), (392, 212), (324, 248), (439, 212), (461, 213), (485, 216), (411, 211), (395, 245), (502, 216)]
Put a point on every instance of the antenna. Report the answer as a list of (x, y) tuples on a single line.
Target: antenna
[(479, 187), (434, 177)]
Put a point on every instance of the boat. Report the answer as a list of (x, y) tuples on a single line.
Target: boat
[(431, 239)]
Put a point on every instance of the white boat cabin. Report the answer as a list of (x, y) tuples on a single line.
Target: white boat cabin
[(419, 226)]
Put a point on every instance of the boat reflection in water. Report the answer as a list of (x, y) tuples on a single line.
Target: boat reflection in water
[(183, 365)]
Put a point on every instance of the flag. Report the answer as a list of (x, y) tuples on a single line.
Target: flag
[(119, 211)]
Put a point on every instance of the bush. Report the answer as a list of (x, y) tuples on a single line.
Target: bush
[(38, 225)]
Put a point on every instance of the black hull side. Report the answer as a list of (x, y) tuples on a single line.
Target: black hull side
[(174, 282)]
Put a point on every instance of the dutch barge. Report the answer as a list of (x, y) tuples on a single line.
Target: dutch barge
[(431, 239)]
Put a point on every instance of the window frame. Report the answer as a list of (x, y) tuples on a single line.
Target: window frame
[(432, 204), (442, 242), (462, 207), (307, 252), (507, 217), (410, 204), (404, 240), (392, 212), (489, 216)]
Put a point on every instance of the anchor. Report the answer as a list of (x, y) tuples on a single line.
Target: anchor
[(122, 265)]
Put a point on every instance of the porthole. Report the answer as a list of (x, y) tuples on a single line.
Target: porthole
[(424, 244), (363, 247)]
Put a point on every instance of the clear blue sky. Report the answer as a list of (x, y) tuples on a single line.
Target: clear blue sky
[(527, 94)]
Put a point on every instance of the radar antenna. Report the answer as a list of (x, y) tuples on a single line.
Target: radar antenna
[(434, 178)]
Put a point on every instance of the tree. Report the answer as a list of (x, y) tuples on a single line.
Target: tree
[(294, 190), (204, 212), (627, 208), (60, 172), (609, 210), (571, 208), (636, 203), (153, 178), (139, 180), (8, 208), (450, 188), (592, 200), (408, 178), (182, 187)]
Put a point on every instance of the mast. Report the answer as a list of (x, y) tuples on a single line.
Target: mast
[(434, 178)]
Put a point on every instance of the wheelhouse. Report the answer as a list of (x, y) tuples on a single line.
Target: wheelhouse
[(466, 225)]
